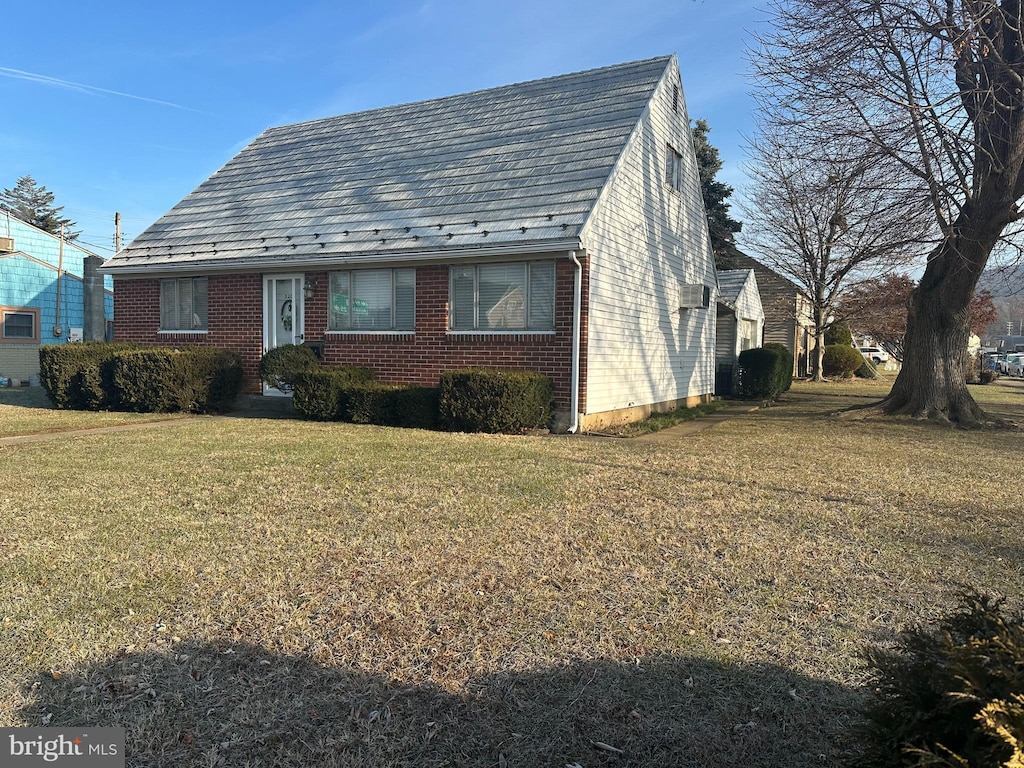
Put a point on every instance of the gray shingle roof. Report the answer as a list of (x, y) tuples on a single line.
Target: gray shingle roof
[(731, 282), (516, 166)]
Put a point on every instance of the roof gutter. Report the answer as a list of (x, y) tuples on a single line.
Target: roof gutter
[(331, 261), (577, 332)]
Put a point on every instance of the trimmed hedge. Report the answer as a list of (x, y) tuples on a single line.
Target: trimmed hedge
[(79, 376), (493, 400), (320, 393), (159, 379), (765, 372), (867, 370), (785, 370), (280, 366), (392, 405), (838, 334), (841, 360)]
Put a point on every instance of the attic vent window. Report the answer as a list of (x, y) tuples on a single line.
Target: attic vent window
[(674, 169), (675, 99)]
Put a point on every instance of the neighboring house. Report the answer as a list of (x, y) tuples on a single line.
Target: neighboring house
[(42, 296), (554, 225), (787, 313), (740, 324)]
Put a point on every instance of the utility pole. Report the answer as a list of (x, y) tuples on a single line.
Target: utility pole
[(117, 232)]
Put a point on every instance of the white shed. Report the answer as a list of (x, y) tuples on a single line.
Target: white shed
[(740, 323)]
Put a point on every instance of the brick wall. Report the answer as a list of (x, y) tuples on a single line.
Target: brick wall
[(236, 322)]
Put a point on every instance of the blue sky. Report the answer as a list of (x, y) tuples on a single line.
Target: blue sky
[(128, 107)]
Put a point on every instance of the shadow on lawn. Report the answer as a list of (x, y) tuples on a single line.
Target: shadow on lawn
[(234, 704)]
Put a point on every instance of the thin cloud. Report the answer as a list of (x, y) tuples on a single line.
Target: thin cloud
[(19, 74)]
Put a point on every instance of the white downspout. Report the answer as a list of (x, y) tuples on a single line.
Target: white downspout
[(577, 333)]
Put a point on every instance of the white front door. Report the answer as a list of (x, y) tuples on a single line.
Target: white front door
[(283, 316)]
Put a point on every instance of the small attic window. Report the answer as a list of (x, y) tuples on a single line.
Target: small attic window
[(675, 99), (673, 168)]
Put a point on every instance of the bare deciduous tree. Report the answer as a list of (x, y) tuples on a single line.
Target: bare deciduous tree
[(822, 219), (935, 90)]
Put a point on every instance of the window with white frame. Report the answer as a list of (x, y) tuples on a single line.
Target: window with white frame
[(183, 304), (372, 300), (19, 324), (517, 296), (674, 169)]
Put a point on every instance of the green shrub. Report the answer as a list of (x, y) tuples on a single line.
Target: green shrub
[(952, 695), (280, 366), (765, 372), (841, 360), (159, 379), (838, 333), (320, 393), (867, 370), (80, 375), (785, 370), (494, 400), (392, 405)]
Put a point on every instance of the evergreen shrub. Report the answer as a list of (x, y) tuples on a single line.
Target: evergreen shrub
[(762, 373), (494, 400), (280, 366), (950, 695), (320, 393), (785, 369), (79, 376), (867, 370), (841, 360), (392, 405), (161, 379), (837, 333)]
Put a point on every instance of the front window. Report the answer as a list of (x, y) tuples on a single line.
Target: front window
[(20, 325), (183, 305), (518, 296), (373, 300)]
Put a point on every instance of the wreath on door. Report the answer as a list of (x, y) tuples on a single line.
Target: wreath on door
[(286, 314)]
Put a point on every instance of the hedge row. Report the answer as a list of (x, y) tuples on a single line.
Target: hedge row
[(765, 372), (473, 400), (120, 376), (491, 400)]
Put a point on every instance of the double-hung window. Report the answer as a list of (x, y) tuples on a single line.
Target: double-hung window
[(373, 300), (519, 296), (183, 305), (20, 325)]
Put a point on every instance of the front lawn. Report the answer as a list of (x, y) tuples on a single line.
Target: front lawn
[(27, 411), (272, 592)]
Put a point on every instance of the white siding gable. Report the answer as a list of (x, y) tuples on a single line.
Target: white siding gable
[(643, 239)]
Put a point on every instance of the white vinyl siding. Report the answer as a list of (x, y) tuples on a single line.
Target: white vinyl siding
[(372, 300), (503, 297), (643, 240), (183, 304)]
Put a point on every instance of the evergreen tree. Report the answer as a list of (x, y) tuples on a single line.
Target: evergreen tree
[(722, 226), (33, 204)]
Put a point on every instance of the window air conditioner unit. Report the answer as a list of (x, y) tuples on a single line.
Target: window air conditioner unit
[(694, 295), (6, 243)]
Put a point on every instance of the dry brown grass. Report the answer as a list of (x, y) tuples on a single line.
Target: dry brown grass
[(26, 411), (255, 592)]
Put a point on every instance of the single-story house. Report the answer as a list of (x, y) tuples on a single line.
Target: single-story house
[(787, 313), (45, 286), (740, 324), (554, 225)]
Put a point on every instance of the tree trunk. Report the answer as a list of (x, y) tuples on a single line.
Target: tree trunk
[(932, 383)]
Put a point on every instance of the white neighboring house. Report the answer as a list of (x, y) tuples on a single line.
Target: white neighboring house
[(740, 323)]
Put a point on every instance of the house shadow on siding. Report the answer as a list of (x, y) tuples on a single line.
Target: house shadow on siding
[(237, 704)]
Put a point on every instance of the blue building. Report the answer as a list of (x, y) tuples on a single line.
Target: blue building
[(43, 295)]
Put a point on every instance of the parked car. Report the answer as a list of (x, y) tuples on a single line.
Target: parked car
[(876, 355), (1015, 364)]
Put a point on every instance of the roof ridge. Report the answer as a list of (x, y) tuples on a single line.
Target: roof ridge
[(507, 86)]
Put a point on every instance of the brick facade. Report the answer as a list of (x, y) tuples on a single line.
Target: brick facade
[(235, 321)]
